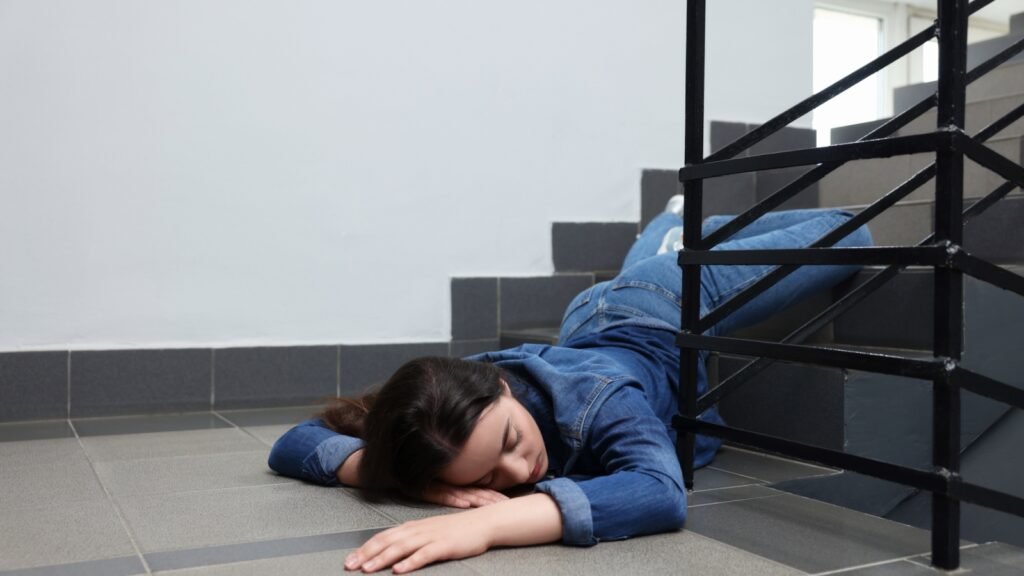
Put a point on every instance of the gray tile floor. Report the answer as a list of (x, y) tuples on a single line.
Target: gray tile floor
[(191, 495)]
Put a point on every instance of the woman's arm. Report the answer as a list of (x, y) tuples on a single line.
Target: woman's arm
[(641, 488), (311, 451), (533, 519), (348, 472)]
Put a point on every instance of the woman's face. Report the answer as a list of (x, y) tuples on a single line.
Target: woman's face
[(504, 450)]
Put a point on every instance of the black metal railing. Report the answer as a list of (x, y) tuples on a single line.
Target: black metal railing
[(941, 250)]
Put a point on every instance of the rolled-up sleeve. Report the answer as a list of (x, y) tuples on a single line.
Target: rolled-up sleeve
[(311, 451), (642, 491)]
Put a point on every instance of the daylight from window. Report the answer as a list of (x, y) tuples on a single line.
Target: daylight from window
[(844, 42)]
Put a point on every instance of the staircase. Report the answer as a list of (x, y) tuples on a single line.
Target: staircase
[(868, 414)]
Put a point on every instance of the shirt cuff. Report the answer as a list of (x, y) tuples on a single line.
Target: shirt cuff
[(323, 464), (577, 520)]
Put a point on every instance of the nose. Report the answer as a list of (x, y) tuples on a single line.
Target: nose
[(514, 470)]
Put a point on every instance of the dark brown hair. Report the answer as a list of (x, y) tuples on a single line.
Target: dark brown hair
[(417, 422)]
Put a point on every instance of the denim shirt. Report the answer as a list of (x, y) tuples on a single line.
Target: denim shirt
[(603, 404)]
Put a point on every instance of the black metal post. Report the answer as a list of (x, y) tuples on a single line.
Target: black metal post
[(948, 343), (693, 190)]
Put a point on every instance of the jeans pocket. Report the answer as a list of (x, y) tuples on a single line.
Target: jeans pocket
[(646, 288)]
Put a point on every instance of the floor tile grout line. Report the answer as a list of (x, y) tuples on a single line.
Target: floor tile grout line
[(113, 503), (69, 385), (720, 488), (748, 477), (782, 459), (735, 501), (890, 561), (288, 482), (241, 429)]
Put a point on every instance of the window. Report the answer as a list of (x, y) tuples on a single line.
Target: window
[(843, 42), (924, 65)]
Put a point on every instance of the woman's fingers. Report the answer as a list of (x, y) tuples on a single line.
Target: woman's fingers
[(420, 558), (463, 496), (382, 550), (481, 496)]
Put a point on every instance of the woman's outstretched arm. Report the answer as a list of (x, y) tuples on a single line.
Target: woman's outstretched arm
[(310, 451), (532, 519)]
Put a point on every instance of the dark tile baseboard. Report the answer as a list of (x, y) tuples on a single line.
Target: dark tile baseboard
[(76, 384)]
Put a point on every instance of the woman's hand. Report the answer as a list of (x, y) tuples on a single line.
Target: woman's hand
[(533, 519), (415, 544), (461, 496)]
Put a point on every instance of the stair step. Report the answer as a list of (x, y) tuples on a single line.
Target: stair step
[(900, 313), (861, 182), (985, 459), (996, 235), (1007, 80), (591, 246), (543, 335), (978, 115), (873, 415)]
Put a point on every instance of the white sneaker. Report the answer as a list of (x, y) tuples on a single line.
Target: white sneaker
[(675, 205), (673, 240)]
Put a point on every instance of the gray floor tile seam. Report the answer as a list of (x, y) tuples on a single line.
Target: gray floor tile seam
[(721, 488), (118, 496), (240, 552), (747, 476), (737, 500), (784, 459), (117, 566), (285, 482), (910, 559), (181, 456), (241, 429), (113, 503), (294, 537)]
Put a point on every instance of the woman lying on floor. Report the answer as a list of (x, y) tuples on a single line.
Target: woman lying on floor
[(586, 422)]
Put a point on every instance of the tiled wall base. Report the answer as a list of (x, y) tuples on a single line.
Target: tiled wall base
[(83, 384)]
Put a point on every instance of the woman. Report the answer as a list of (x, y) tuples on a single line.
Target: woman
[(587, 423)]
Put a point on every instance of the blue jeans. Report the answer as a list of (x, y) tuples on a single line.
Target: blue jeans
[(650, 284)]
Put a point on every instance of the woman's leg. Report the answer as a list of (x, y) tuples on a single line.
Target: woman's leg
[(652, 286), (766, 223), (649, 241), (720, 283)]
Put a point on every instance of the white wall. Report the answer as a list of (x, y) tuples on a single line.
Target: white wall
[(239, 172)]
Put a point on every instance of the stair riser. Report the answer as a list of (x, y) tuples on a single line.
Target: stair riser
[(979, 115), (900, 313), (864, 181), (585, 247), (1002, 82)]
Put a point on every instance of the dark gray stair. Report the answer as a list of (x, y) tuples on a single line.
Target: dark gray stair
[(733, 194), (1007, 80), (591, 246), (900, 313), (888, 417), (863, 181), (512, 337), (996, 235), (984, 462)]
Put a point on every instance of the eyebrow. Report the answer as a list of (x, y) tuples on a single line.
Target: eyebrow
[(504, 439)]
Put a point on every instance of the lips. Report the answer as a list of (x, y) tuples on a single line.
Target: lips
[(535, 474)]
